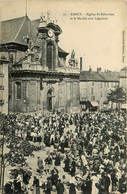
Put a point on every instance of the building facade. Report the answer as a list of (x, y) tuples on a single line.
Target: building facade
[(123, 78), (39, 78), (3, 85), (123, 84), (95, 86)]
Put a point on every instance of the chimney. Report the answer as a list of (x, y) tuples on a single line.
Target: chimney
[(98, 69), (80, 63), (90, 69)]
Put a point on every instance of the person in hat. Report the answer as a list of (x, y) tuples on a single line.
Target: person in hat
[(87, 186), (72, 189), (104, 184), (67, 164), (48, 186), (57, 160), (36, 186), (64, 181), (17, 187), (54, 176), (62, 145), (8, 188), (73, 168), (60, 187), (40, 164), (48, 162)]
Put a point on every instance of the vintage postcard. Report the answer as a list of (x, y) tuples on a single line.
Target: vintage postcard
[(63, 97)]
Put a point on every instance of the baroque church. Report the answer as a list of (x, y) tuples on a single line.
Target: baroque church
[(40, 78)]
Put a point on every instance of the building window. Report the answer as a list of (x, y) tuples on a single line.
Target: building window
[(18, 90), (116, 83), (93, 98), (41, 85), (92, 83), (91, 90), (108, 84), (1, 81), (105, 84), (101, 85), (1, 70), (1, 95)]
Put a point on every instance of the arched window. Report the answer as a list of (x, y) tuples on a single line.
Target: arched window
[(18, 90), (50, 55)]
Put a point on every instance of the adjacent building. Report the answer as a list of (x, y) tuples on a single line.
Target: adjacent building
[(39, 77), (95, 86), (123, 83), (3, 85), (123, 78)]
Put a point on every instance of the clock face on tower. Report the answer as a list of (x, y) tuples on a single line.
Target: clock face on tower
[(50, 33)]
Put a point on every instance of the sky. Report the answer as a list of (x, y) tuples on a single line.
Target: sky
[(94, 29)]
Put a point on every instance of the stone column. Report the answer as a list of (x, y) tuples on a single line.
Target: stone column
[(56, 52)]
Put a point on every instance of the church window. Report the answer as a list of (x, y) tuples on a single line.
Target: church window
[(24, 90), (18, 90), (50, 56)]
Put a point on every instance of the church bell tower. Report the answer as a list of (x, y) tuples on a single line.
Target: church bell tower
[(48, 33)]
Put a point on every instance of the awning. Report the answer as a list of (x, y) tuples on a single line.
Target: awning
[(94, 103), (124, 106), (83, 102)]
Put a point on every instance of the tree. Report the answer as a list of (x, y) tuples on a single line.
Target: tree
[(117, 96)]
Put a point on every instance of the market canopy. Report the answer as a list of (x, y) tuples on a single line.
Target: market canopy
[(124, 106), (94, 103)]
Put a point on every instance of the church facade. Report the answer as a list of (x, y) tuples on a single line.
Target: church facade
[(39, 77)]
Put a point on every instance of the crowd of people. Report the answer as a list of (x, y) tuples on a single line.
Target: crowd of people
[(89, 147)]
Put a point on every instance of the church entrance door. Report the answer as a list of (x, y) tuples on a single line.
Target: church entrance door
[(50, 100)]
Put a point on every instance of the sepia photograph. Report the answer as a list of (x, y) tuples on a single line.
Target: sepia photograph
[(63, 85)]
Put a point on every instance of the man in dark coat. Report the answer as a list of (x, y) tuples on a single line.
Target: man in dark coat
[(54, 176), (48, 186), (86, 187), (8, 188), (104, 184), (60, 187), (67, 163), (73, 168), (62, 146), (72, 189), (57, 160), (17, 187)]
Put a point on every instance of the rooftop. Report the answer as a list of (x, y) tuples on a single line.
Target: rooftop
[(17, 30), (106, 76)]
